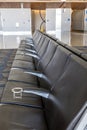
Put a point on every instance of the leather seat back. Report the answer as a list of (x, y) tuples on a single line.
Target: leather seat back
[(68, 95), (49, 52), (37, 38), (57, 64), (44, 46)]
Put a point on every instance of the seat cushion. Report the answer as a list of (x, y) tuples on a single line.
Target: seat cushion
[(14, 117), (27, 99), (20, 76), (23, 64), (24, 58)]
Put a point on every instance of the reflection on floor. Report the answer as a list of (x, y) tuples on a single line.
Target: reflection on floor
[(72, 38), (11, 41)]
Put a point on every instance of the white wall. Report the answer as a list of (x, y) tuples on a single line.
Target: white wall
[(16, 19), (50, 19), (58, 19)]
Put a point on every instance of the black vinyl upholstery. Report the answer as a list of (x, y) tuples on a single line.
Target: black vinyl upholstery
[(53, 77)]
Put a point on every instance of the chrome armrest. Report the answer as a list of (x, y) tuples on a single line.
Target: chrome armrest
[(27, 45), (18, 92), (30, 50), (38, 74), (37, 91), (18, 68), (27, 50), (35, 73), (32, 55), (29, 39), (30, 44), (31, 72)]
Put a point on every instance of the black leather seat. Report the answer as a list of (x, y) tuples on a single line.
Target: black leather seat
[(6, 59), (19, 75), (53, 100), (69, 94), (21, 118), (40, 53), (54, 66)]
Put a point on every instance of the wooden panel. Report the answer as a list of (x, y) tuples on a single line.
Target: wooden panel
[(73, 5), (30, 1), (42, 0), (9, 5), (38, 6), (43, 5), (58, 5), (27, 5), (78, 5)]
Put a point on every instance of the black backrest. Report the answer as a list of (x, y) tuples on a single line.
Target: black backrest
[(44, 46), (40, 42), (68, 95), (57, 64), (61, 43), (78, 120), (84, 55), (37, 38), (49, 52), (41, 49), (35, 34)]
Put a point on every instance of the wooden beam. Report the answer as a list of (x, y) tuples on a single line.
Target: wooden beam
[(41, 1), (10, 5), (44, 5)]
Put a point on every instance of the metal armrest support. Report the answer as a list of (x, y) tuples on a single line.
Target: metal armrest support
[(28, 50), (38, 74), (32, 55), (37, 91), (29, 39), (30, 44), (41, 92), (35, 73), (17, 92), (27, 45)]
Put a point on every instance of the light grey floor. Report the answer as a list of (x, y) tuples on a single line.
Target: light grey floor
[(11, 41), (70, 38)]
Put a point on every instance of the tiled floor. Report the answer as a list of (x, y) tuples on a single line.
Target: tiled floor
[(70, 38)]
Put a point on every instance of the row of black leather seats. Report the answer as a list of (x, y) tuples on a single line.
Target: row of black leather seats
[(6, 60), (53, 78)]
